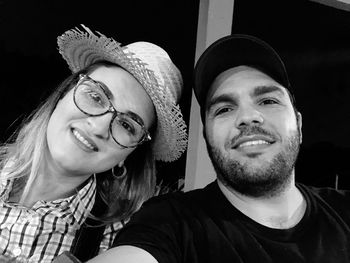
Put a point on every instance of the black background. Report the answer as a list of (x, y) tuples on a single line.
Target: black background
[(314, 41), (31, 67)]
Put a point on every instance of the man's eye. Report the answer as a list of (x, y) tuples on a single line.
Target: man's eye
[(222, 110), (268, 101)]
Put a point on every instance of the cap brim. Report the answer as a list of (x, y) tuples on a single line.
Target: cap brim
[(233, 51)]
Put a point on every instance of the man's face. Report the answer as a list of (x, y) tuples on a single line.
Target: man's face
[(252, 132)]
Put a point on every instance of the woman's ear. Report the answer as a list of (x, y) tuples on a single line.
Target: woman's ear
[(121, 164)]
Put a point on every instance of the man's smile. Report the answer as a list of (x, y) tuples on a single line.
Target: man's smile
[(252, 141)]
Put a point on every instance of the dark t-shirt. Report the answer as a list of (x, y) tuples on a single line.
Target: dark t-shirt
[(202, 226)]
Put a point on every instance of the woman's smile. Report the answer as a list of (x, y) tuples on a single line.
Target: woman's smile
[(83, 141)]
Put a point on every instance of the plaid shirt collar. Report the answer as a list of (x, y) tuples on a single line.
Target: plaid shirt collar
[(79, 205)]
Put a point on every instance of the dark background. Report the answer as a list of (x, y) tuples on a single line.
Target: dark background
[(314, 41), (31, 67)]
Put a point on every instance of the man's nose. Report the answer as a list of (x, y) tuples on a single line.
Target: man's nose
[(99, 125), (248, 115)]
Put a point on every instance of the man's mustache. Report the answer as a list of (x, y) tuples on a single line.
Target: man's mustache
[(252, 130)]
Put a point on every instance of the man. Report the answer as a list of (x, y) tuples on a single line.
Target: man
[(254, 212)]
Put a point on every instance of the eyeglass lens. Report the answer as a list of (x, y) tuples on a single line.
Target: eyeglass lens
[(91, 99)]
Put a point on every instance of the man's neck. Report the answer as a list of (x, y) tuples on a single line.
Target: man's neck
[(282, 211)]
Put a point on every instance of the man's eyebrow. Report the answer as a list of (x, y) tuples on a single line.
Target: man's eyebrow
[(261, 90), (223, 98)]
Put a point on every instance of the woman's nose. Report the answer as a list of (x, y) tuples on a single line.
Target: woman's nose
[(99, 125)]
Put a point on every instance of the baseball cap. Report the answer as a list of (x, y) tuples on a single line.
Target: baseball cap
[(232, 51)]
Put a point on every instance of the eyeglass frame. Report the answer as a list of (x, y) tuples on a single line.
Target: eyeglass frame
[(82, 77)]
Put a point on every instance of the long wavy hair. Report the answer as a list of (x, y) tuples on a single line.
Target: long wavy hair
[(21, 157)]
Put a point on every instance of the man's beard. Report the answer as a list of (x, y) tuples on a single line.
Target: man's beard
[(266, 181)]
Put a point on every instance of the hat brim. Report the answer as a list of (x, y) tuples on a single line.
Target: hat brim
[(81, 49), (233, 51)]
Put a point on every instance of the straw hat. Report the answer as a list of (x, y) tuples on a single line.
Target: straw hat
[(151, 66)]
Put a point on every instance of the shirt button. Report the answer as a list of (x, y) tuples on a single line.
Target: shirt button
[(17, 251)]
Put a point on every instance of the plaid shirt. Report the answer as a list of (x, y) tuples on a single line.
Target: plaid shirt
[(44, 231)]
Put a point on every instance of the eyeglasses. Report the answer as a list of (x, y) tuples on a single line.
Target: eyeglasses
[(91, 98)]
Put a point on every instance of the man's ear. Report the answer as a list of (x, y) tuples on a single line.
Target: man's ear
[(299, 123)]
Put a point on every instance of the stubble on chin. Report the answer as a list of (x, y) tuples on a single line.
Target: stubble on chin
[(266, 180)]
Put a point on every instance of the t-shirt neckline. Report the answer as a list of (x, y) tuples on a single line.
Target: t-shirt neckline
[(231, 213)]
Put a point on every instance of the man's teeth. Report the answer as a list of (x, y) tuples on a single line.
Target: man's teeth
[(82, 139), (251, 143)]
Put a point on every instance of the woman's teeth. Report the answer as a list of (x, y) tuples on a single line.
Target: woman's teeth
[(83, 140)]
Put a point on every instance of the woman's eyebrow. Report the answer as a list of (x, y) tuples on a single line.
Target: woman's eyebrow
[(261, 90), (132, 114), (135, 117), (106, 89)]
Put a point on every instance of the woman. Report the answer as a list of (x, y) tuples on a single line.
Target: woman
[(86, 156)]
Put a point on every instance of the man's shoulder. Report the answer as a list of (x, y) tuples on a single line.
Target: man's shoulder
[(181, 198), (336, 199), (179, 204), (330, 193)]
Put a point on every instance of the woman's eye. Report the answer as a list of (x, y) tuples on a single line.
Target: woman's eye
[(95, 97), (127, 126)]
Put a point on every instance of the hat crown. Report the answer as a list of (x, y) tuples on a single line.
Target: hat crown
[(151, 66), (158, 61)]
